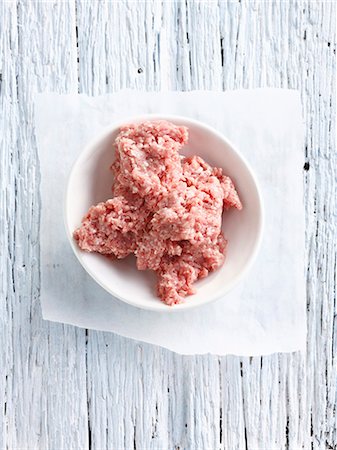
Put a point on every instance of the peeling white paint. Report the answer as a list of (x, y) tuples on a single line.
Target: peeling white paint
[(62, 388)]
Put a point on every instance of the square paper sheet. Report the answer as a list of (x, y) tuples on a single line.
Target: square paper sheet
[(265, 313)]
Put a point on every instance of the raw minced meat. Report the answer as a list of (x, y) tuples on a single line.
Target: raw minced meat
[(176, 275), (167, 209), (111, 228)]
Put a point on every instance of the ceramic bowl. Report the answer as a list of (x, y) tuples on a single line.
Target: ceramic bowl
[(90, 182)]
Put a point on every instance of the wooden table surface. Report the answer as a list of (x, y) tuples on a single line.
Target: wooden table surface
[(64, 388)]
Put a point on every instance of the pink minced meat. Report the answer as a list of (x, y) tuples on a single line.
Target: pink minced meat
[(111, 228), (167, 209)]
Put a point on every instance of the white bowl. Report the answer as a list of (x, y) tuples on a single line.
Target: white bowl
[(90, 182)]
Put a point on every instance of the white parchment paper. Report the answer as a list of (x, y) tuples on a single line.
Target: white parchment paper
[(266, 312)]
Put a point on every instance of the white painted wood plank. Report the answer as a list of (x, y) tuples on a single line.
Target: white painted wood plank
[(319, 99), (43, 382)]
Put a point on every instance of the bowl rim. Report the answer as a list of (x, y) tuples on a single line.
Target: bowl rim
[(161, 306)]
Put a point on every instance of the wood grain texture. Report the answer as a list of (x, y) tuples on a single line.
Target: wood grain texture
[(43, 383), (64, 388)]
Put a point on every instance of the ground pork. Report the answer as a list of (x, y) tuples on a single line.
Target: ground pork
[(166, 209)]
